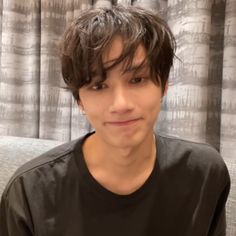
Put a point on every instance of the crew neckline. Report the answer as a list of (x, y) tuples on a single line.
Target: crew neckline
[(94, 186)]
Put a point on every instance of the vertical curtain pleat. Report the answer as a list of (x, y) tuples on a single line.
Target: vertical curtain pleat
[(185, 108), (228, 104), (19, 87), (55, 103)]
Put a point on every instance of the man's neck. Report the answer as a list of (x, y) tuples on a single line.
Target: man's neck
[(121, 170)]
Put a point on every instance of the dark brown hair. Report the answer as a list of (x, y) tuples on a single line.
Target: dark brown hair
[(90, 34)]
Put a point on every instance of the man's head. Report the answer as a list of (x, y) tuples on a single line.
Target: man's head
[(88, 38), (116, 62)]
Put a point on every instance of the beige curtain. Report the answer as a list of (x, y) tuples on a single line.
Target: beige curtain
[(199, 105)]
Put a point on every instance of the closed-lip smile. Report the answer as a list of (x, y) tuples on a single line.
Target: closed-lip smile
[(123, 122)]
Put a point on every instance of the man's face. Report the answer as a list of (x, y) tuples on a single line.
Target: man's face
[(122, 109)]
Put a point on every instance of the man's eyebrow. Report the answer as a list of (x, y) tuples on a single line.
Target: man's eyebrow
[(96, 77)]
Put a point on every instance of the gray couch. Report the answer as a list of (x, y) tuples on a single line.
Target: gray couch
[(14, 151)]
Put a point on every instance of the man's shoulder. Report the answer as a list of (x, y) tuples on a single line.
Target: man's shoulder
[(195, 155), (62, 151), (52, 161)]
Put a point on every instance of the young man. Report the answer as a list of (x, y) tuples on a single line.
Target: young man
[(121, 179)]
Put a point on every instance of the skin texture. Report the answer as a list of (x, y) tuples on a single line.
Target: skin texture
[(123, 110)]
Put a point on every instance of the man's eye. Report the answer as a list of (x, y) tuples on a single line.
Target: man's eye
[(137, 80), (98, 86)]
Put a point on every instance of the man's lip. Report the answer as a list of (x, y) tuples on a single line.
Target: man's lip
[(123, 123)]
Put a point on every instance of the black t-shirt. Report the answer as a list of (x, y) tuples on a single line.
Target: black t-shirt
[(55, 195)]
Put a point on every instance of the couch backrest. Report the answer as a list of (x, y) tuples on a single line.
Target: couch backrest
[(15, 151)]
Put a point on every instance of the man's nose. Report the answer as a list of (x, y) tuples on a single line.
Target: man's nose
[(121, 101)]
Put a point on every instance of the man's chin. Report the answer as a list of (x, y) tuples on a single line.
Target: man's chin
[(124, 142)]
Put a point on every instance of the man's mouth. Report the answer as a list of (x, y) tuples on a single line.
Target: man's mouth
[(123, 122)]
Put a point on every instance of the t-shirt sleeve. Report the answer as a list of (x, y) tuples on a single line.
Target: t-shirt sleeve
[(15, 216), (218, 225)]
